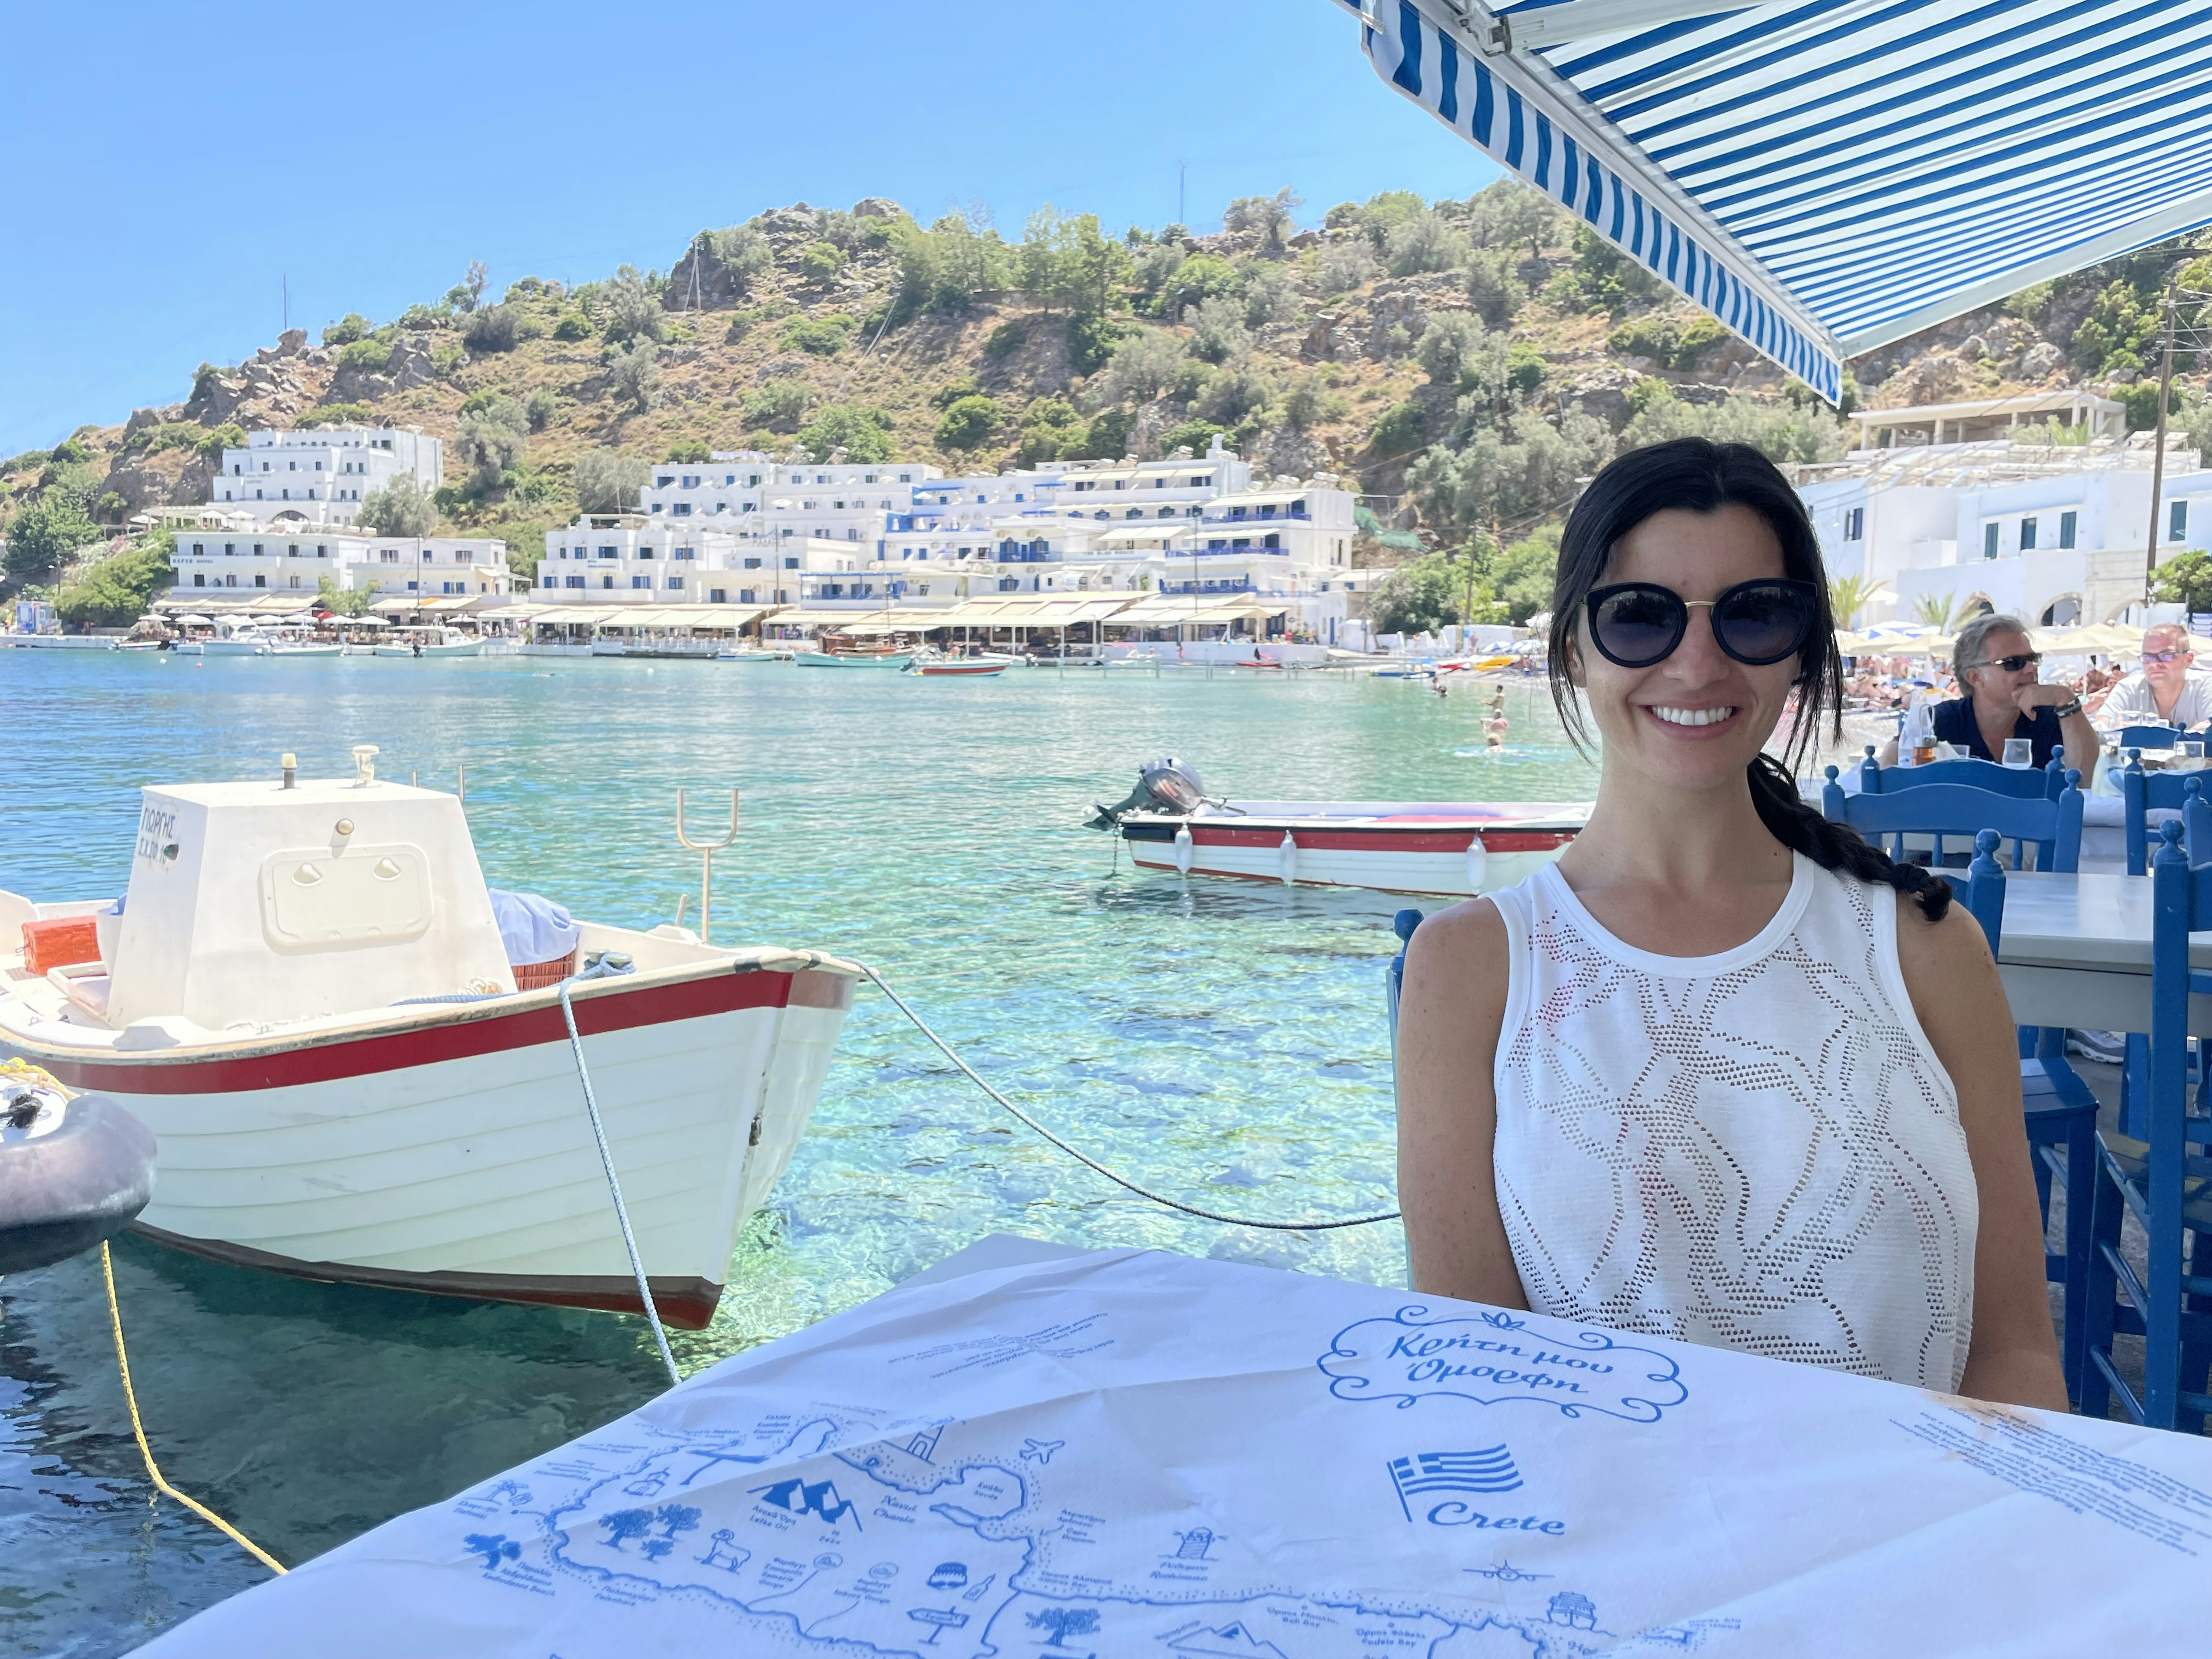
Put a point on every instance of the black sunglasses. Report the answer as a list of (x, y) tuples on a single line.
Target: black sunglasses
[(1636, 624), (2011, 665)]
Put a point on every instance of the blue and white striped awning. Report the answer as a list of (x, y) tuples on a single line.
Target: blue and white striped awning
[(1828, 176)]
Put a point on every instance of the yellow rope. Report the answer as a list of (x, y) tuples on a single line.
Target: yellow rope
[(130, 1398)]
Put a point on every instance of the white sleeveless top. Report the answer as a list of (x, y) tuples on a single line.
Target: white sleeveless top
[(1756, 1150)]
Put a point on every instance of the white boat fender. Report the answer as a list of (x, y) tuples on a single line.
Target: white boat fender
[(1182, 846), (73, 1171), (1478, 861), (1286, 857)]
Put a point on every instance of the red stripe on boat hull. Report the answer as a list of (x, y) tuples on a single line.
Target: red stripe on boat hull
[(1365, 839), (332, 1059)]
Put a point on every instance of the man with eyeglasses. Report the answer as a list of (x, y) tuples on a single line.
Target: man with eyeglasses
[(2000, 673), (2164, 689)]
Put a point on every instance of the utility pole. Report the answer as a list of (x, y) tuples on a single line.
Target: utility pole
[(2158, 451)]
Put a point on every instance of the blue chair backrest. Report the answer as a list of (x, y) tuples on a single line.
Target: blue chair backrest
[(1981, 887), (2027, 783), (1393, 977), (1950, 809), (2145, 792), (2148, 737)]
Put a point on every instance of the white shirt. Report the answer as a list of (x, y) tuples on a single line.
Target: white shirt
[(1756, 1150), (2131, 703)]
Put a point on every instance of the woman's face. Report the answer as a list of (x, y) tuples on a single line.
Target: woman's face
[(1696, 718)]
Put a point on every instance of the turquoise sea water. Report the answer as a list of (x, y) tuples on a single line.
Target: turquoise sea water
[(1222, 1040)]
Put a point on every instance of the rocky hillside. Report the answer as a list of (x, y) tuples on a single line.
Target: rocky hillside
[(1465, 360)]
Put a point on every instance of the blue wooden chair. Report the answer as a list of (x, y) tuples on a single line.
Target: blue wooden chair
[(2145, 792), (1937, 809), (1393, 977), (2148, 736), (2061, 1111), (2166, 1179), (2027, 783)]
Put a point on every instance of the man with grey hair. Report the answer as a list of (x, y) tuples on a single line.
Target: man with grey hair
[(2164, 690), (2004, 698)]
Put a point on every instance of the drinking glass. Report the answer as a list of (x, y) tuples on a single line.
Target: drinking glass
[(2019, 753)]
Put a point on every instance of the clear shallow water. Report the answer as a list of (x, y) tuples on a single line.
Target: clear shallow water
[(1221, 1041)]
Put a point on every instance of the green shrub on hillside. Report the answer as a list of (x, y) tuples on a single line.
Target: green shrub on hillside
[(370, 356), (164, 434), (688, 452), (228, 435), (1049, 426), (953, 390), (114, 592), (865, 435), (1196, 436), (46, 531), (779, 403), (402, 508), (1656, 338), (540, 407), (820, 337), (492, 329), (1202, 278), (348, 329), (1702, 335), (1403, 429), (968, 422), (330, 415), (573, 325), (608, 481), (1004, 341), (820, 261), (69, 451)]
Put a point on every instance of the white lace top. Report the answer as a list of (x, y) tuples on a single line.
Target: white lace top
[(1756, 1150)]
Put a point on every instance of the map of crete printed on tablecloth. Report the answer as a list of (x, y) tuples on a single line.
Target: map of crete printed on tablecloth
[(1136, 1454)]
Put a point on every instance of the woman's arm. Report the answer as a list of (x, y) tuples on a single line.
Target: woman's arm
[(1955, 990), (1450, 1010)]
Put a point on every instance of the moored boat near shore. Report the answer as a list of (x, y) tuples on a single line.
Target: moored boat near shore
[(1462, 848), (355, 1060)]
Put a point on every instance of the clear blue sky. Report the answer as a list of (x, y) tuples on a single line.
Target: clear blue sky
[(171, 164)]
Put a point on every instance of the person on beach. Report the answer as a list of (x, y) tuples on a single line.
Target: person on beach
[(1724, 1073)]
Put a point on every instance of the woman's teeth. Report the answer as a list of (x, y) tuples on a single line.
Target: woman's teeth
[(1692, 716)]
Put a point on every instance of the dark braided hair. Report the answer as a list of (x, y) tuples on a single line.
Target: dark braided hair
[(1694, 475)]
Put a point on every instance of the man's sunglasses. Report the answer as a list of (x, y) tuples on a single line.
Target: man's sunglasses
[(2162, 658), (2011, 665), (1637, 625)]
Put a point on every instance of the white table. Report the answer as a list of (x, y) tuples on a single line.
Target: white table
[(2076, 951), (1135, 1455)]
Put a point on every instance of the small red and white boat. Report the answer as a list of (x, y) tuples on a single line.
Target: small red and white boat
[(1459, 847), (309, 997)]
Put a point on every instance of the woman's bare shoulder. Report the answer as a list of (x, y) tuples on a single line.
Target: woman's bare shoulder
[(1934, 948), (1465, 945)]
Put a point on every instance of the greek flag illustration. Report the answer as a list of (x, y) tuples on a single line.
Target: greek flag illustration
[(1489, 1470)]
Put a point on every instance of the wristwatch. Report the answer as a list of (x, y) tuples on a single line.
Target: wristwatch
[(2067, 710)]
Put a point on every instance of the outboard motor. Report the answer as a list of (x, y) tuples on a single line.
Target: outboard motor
[(1165, 785), (73, 1171)]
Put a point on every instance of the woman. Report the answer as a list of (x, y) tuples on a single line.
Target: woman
[(2002, 696), (1724, 1073)]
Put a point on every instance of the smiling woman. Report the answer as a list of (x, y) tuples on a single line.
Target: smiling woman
[(1724, 1073)]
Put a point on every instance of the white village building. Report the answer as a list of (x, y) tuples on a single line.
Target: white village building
[(2004, 518), (282, 517), (320, 477)]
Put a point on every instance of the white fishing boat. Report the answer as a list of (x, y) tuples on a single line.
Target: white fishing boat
[(431, 643), (747, 653), (238, 637), (328, 1021), (1460, 847)]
